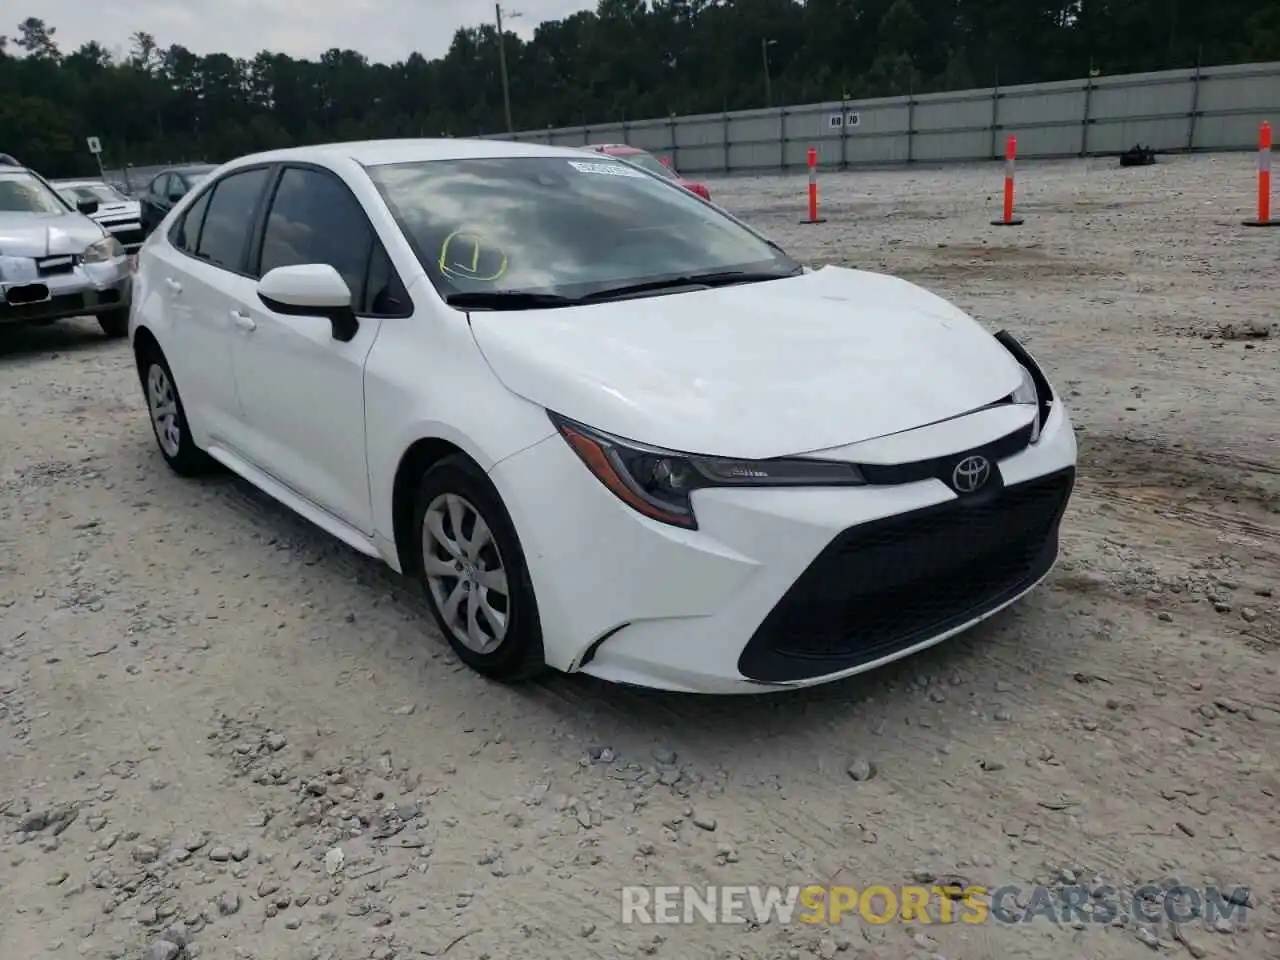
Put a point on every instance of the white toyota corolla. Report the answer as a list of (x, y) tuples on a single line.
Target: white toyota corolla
[(611, 428)]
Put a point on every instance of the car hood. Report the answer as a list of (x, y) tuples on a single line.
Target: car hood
[(45, 234), (779, 368)]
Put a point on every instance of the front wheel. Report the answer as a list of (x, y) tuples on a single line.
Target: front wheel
[(473, 570), (169, 418)]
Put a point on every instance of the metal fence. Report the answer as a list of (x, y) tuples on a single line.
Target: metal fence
[(1213, 108), (136, 178)]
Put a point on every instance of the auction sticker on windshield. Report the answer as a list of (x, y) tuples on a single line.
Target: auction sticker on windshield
[(606, 169)]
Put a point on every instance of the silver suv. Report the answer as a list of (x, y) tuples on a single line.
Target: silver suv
[(56, 262)]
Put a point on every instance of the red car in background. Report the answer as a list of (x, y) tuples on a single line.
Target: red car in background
[(647, 161)]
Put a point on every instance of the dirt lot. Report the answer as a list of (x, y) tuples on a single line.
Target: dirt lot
[(201, 695)]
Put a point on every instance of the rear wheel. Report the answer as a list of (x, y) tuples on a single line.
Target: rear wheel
[(115, 323), (169, 418), (473, 570)]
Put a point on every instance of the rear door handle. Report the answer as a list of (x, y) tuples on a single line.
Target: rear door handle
[(243, 320), (174, 285)]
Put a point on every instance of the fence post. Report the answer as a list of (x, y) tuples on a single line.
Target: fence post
[(728, 143), (1084, 124), (626, 136), (1195, 105), (844, 133), (995, 115), (782, 138), (911, 122), (675, 148)]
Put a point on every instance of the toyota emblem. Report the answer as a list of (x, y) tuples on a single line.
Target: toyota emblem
[(971, 474)]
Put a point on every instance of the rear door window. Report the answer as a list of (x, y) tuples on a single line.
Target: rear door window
[(228, 221)]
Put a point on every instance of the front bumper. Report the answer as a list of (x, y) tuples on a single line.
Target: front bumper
[(86, 289), (779, 588)]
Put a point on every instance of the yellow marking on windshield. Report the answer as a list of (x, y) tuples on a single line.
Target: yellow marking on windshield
[(468, 266)]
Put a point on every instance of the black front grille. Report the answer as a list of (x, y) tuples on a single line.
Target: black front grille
[(54, 266), (887, 585)]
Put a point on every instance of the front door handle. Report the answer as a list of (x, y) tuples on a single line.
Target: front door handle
[(174, 285), (243, 320)]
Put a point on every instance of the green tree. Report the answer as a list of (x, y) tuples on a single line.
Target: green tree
[(626, 60)]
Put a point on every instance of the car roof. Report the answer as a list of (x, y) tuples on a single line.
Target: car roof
[(372, 153)]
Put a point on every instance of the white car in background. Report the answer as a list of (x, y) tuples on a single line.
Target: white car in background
[(55, 262), (121, 216), (610, 428)]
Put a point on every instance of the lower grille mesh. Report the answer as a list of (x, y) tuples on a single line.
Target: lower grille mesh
[(890, 584)]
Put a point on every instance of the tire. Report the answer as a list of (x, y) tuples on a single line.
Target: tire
[(115, 323), (454, 487), (172, 433)]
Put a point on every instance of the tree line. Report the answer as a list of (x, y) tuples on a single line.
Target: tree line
[(627, 60)]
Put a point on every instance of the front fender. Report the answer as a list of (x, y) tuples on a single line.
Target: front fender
[(425, 378)]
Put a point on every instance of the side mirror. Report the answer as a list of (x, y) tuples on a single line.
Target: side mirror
[(175, 197), (87, 207), (311, 290)]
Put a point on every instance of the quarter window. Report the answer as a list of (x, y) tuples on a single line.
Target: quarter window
[(187, 232), (229, 218)]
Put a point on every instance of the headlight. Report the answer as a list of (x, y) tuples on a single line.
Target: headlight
[(1026, 393), (658, 483), (100, 251), (1034, 388)]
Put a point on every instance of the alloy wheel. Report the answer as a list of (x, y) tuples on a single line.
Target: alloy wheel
[(164, 410), (465, 573)]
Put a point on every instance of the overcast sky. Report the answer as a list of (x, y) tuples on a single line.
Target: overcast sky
[(383, 30)]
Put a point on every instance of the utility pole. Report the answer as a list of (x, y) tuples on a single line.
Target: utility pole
[(768, 80), (502, 66)]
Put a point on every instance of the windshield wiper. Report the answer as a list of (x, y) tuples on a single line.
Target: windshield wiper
[(507, 300), (719, 278), (525, 300)]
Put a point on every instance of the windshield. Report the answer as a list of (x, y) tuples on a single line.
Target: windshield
[(99, 192), (560, 225), (647, 161), (20, 192)]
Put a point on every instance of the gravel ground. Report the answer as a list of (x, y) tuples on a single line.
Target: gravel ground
[(201, 696)]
